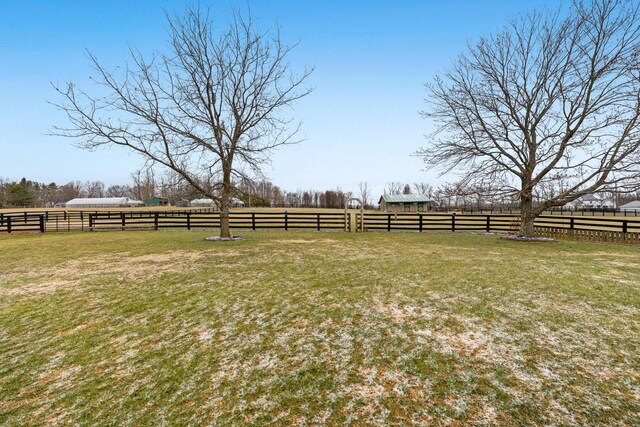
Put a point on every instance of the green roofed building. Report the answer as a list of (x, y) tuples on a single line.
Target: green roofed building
[(406, 203), (156, 201)]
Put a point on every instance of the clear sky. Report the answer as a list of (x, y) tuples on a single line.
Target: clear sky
[(362, 122)]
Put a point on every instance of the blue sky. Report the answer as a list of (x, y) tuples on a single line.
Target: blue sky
[(362, 122)]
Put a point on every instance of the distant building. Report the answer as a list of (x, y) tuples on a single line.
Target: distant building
[(156, 201), (202, 203), (406, 203), (591, 201), (236, 203), (631, 207), (103, 202)]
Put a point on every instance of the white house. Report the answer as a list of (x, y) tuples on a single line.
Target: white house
[(102, 202), (591, 201), (236, 203), (631, 207)]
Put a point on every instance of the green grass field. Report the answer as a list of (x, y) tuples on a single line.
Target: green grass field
[(163, 328)]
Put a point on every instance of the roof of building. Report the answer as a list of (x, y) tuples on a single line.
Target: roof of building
[(106, 201), (589, 197), (99, 201), (631, 205), (202, 201), (405, 198)]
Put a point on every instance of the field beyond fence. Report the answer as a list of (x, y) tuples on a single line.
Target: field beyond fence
[(593, 228)]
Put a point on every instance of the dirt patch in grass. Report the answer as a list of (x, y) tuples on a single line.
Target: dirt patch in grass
[(39, 288), (37, 281)]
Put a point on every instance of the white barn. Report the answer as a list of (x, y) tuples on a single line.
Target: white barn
[(631, 207), (202, 202), (103, 202)]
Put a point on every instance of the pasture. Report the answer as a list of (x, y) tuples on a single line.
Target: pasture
[(316, 328)]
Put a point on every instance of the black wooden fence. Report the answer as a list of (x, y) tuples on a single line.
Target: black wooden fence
[(237, 220), (610, 229), (491, 223), (421, 222), (22, 222), (617, 229), (61, 220)]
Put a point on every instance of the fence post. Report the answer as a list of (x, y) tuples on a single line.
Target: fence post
[(286, 221), (8, 224), (122, 219), (42, 223), (388, 222), (453, 222), (188, 220), (155, 221), (488, 223), (318, 221), (420, 222), (625, 225), (253, 221), (571, 224)]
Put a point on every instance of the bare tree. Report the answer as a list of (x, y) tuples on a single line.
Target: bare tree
[(394, 187), (552, 93), (144, 184), (365, 193), (69, 191), (119, 191), (423, 188), (93, 188), (210, 109)]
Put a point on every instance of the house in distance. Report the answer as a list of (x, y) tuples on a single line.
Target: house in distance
[(591, 201), (406, 203), (631, 207), (156, 201)]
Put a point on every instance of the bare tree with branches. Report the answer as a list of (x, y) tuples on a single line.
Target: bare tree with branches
[(394, 187), (555, 92), (210, 109), (423, 188), (365, 193)]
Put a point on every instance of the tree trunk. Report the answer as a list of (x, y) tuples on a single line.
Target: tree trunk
[(225, 231), (225, 199), (527, 215)]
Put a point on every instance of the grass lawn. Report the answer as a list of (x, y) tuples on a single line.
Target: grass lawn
[(153, 328)]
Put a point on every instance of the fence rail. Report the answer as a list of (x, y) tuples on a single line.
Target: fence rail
[(593, 228), (553, 211), (609, 229), (238, 220), (63, 220), (22, 222), (437, 222)]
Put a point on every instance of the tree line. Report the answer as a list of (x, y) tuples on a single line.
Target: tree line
[(147, 184)]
